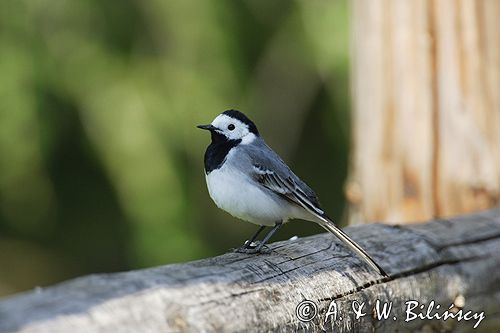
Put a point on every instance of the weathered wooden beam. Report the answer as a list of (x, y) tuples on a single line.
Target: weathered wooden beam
[(448, 261)]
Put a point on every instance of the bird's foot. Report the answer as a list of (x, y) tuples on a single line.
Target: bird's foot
[(253, 248)]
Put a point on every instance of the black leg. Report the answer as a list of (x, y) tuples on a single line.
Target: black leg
[(248, 243), (268, 236)]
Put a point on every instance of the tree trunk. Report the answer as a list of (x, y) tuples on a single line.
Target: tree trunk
[(426, 87)]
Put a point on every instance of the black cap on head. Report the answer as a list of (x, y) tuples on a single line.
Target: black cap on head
[(244, 119)]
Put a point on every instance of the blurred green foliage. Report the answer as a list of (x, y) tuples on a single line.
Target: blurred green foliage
[(101, 166)]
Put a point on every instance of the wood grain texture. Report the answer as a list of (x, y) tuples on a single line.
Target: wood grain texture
[(446, 261), (426, 97)]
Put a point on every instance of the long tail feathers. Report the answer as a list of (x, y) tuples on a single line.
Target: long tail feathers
[(329, 226)]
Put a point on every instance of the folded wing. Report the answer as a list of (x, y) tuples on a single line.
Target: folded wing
[(288, 188)]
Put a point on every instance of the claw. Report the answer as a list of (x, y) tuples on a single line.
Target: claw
[(251, 245), (254, 250)]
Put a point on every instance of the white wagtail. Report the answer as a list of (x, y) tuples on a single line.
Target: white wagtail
[(247, 179)]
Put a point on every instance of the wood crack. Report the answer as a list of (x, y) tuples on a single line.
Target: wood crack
[(400, 275)]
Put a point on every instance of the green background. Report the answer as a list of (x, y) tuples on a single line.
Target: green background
[(101, 166)]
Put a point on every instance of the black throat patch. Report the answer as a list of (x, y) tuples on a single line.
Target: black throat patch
[(216, 153)]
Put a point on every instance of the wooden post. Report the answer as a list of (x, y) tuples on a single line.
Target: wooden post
[(453, 263), (426, 85)]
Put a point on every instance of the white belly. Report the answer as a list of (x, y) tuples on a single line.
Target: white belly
[(234, 193)]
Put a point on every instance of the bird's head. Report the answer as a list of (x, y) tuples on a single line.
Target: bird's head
[(232, 125)]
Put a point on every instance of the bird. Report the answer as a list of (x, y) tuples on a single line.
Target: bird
[(250, 181)]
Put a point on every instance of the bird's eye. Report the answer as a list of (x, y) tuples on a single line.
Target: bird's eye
[(230, 127)]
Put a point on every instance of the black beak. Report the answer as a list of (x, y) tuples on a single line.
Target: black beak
[(208, 127)]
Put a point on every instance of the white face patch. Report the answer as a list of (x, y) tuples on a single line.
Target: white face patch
[(233, 129)]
